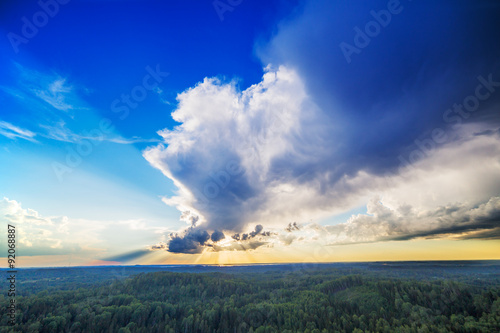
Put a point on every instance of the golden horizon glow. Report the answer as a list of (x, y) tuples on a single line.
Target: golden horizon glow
[(413, 250)]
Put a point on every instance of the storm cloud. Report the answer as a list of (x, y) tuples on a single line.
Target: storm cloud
[(217, 236), (252, 234), (191, 242), (319, 136)]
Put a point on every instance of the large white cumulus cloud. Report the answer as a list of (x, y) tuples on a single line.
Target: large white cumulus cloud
[(236, 153)]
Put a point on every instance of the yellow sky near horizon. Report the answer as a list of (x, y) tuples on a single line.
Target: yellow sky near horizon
[(413, 250)]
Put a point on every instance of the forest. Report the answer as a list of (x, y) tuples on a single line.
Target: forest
[(312, 300)]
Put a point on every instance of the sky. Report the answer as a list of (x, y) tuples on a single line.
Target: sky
[(236, 132)]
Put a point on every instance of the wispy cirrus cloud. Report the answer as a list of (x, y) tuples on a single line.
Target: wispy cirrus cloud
[(60, 132), (46, 89), (45, 95), (56, 94), (12, 132), (64, 134), (132, 140)]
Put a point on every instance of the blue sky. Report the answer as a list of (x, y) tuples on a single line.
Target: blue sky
[(126, 115), (91, 47)]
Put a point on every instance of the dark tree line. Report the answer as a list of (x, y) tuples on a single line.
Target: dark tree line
[(310, 301)]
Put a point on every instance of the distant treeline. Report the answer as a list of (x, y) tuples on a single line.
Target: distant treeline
[(313, 301)]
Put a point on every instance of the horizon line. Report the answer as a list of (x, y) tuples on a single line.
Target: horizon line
[(254, 264)]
